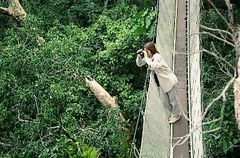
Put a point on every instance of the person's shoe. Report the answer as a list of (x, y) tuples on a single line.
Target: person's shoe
[(174, 119)]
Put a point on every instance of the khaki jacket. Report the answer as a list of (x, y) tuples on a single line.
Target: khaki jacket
[(167, 79)]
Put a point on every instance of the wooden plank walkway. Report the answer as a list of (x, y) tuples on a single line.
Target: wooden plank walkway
[(180, 128)]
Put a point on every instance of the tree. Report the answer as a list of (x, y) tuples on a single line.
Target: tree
[(45, 108), (233, 40), (15, 10), (220, 39)]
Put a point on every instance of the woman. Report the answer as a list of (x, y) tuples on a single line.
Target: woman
[(167, 80)]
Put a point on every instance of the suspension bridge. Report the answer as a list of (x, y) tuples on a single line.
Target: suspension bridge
[(177, 40)]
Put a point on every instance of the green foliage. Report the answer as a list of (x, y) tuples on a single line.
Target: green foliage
[(45, 108), (90, 153), (77, 150), (216, 73)]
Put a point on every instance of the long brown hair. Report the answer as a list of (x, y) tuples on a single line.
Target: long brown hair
[(151, 46)]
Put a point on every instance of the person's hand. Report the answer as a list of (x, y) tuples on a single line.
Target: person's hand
[(139, 51), (139, 56), (145, 54)]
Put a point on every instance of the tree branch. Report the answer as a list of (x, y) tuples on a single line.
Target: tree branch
[(218, 38), (218, 57), (4, 11), (218, 30), (14, 10), (221, 95), (102, 95), (230, 14), (224, 19), (183, 139)]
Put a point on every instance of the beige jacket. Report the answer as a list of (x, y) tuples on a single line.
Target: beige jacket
[(167, 79)]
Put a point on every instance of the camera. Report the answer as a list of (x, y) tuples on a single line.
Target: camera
[(141, 53)]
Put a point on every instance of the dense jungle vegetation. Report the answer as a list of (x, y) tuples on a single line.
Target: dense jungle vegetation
[(45, 108)]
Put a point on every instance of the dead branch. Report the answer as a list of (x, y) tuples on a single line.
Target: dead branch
[(218, 38), (226, 36), (212, 130), (54, 127), (233, 144), (218, 57), (199, 124), (212, 121), (215, 136), (221, 95), (219, 13), (223, 60), (224, 69), (102, 95), (216, 30), (22, 120), (14, 10), (230, 13), (4, 11)]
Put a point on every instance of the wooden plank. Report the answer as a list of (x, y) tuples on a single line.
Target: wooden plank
[(180, 128)]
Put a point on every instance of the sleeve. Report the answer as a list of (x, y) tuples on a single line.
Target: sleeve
[(140, 61), (155, 62)]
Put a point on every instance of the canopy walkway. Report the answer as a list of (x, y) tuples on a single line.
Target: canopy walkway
[(178, 42)]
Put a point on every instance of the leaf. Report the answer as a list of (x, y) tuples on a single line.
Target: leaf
[(140, 30), (225, 147)]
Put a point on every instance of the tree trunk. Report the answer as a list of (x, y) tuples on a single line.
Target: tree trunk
[(102, 95), (14, 10), (237, 80)]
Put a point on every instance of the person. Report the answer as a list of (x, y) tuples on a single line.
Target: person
[(163, 75)]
